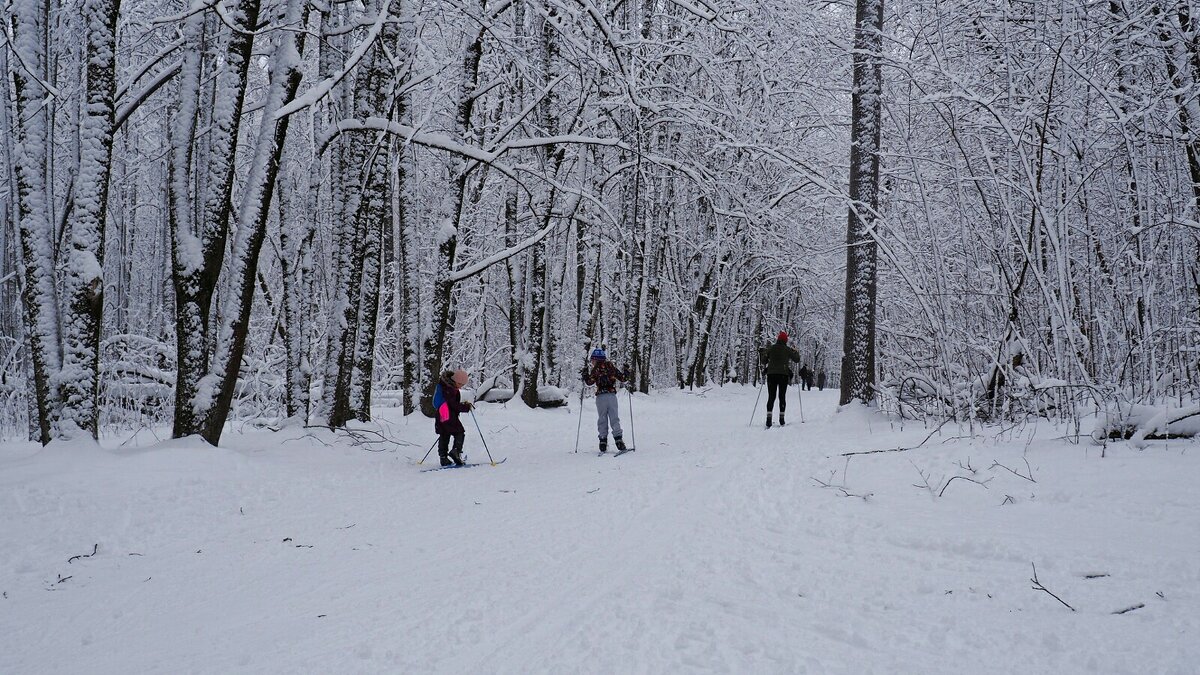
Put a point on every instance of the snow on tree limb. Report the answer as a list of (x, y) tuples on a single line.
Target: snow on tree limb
[(322, 88), (501, 256)]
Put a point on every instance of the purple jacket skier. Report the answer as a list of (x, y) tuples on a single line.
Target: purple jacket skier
[(605, 376), (447, 425)]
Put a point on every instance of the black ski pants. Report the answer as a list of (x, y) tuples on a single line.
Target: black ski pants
[(444, 445), (777, 384)]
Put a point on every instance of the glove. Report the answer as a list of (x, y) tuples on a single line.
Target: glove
[(583, 373)]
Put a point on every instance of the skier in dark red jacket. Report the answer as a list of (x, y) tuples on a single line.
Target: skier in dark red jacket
[(447, 425)]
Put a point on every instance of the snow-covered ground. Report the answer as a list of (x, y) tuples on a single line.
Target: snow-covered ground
[(712, 548)]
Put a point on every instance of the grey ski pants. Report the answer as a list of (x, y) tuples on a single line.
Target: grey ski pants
[(606, 412)]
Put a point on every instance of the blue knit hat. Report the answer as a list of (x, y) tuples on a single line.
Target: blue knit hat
[(598, 354)]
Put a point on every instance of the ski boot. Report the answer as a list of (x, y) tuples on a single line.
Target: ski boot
[(456, 455), (603, 445), (620, 444), (768, 420), (445, 460), (781, 422)]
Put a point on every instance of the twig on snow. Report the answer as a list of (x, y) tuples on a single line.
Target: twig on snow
[(95, 548), (924, 485), (1037, 586), (971, 480), (1130, 608), (1018, 474), (845, 493)]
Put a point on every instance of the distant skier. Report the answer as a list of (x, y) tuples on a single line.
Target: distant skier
[(605, 376), (821, 380), (777, 358), (447, 400), (806, 378)]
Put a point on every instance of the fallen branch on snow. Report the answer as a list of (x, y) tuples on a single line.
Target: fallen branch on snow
[(359, 437), (1037, 586), (876, 452), (1141, 423)]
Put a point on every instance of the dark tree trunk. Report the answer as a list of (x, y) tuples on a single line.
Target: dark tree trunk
[(858, 358), (256, 208), (84, 282), (197, 261)]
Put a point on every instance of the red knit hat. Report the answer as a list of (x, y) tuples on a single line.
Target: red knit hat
[(783, 336)]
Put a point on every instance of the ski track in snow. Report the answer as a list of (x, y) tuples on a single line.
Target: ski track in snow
[(710, 549)]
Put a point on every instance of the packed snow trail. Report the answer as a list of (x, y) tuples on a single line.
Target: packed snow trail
[(713, 548)]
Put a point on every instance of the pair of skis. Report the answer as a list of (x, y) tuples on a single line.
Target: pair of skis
[(468, 465), (615, 454)]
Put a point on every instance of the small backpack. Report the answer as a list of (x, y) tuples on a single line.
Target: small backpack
[(439, 404)]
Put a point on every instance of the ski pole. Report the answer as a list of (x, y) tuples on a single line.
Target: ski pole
[(756, 399), (632, 435), (579, 425), (485, 447), (582, 391), (800, 399), (427, 452)]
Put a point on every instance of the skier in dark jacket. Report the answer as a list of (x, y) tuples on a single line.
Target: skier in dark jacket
[(777, 359), (806, 378), (447, 425), (605, 376), (821, 380)]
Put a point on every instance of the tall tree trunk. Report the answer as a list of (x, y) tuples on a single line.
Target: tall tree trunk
[(410, 322), (407, 277), (39, 295), (83, 285), (198, 248), (858, 357), (295, 241), (365, 187), (543, 208), (516, 308), (452, 208), (252, 226)]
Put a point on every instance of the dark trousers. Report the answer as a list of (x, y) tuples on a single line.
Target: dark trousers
[(444, 445), (777, 384)]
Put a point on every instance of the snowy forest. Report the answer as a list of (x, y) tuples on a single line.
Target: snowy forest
[(248, 248), (262, 210)]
